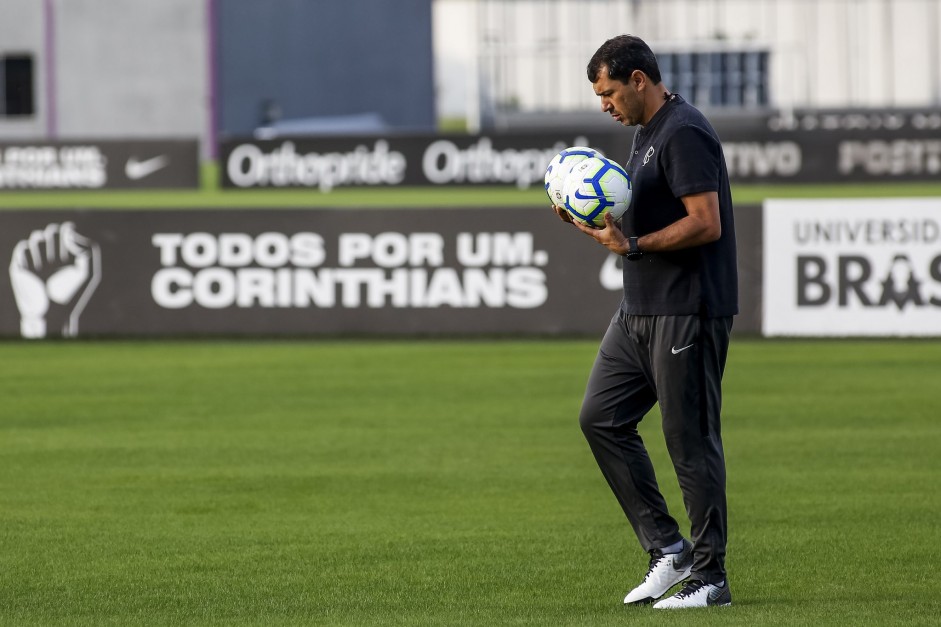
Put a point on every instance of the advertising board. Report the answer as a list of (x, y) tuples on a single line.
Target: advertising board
[(861, 267), (276, 272), (517, 160), (99, 164), (420, 272), (753, 155)]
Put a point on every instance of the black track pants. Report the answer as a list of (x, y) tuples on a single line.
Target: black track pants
[(677, 361)]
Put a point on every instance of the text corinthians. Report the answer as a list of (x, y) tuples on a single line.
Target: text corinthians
[(414, 270)]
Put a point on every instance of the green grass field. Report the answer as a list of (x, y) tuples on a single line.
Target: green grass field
[(441, 482), (444, 483)]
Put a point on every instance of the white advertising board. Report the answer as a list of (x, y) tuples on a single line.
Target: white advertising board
[(852, 267)]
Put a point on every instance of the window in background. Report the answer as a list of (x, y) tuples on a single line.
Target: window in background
[(724, 78), (16, 85)]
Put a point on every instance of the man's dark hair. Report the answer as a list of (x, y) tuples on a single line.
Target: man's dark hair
[(622, 55)]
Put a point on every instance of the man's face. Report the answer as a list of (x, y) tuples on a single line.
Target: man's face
[(622, 101)]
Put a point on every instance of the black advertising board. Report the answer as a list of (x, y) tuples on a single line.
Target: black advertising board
[(462, 272), (99, 164), (270, 272), (817, 157), (517, 160), (832, 145), (822, 149), (418, 272)]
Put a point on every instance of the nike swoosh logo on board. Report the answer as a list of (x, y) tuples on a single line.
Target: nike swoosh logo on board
[(136, 170)]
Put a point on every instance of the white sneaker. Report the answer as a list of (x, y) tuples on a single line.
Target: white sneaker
[(665, 572), (697, 594)]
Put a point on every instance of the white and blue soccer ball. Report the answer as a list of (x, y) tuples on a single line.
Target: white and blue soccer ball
[(561, 165), (594, 187)]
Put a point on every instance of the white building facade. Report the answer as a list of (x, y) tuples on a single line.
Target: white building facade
[(530, 55)]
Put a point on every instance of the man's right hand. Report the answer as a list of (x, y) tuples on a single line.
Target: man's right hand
[(610, 236), (564, 215)]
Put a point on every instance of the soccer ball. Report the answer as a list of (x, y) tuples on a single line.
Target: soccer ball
[(594, 187), (561, 165)]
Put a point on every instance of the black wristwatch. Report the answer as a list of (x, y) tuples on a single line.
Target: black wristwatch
[(633, 251)]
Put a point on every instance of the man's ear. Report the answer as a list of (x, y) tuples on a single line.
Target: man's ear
[(638, 80)]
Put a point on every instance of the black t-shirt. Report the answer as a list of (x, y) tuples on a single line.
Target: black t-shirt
[(676, 154)]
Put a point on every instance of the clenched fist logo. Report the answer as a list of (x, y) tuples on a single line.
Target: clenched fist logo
[(54, 272)]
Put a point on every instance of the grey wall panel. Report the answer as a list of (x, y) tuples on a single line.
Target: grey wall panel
[(325, 58), (132, 68)]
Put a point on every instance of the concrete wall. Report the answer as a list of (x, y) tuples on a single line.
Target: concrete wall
[(135, 67), (131, 68), (21, 31)]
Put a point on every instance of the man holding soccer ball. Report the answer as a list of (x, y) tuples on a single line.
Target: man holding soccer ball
[(669, 339)]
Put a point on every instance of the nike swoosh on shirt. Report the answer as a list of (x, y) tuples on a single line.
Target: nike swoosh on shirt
[(677, 351), (136, 170)]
